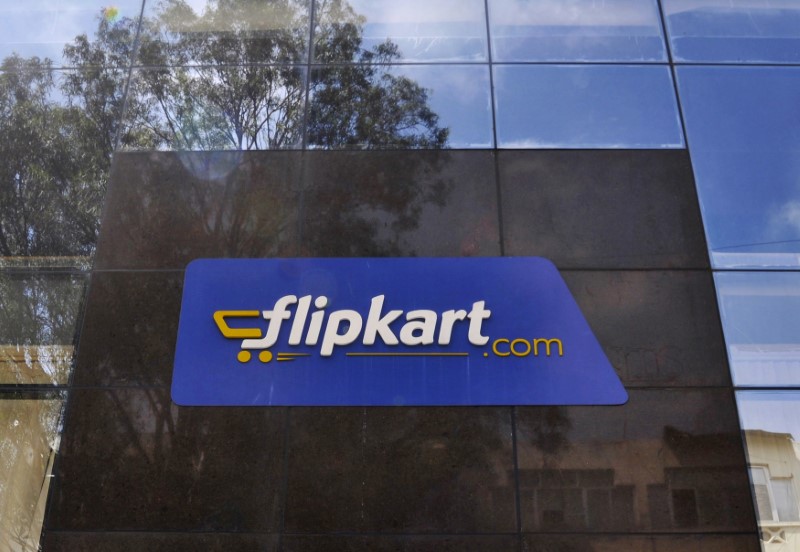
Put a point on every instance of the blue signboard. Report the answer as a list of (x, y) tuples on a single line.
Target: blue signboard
[(410, 331)]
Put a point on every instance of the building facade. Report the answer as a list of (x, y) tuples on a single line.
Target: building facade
[(648, 148)]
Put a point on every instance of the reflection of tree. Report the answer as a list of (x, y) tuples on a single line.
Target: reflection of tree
[(38, 318), (223, 79), (546, 429)]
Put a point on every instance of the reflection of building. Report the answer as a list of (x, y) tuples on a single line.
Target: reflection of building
[(774, 471), (668, 484)]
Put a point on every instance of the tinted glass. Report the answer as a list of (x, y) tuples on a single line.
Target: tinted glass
[(761, 318), (573, 106), (735, 31), (416, 30), (432, 106), (741, 124), (43, 28), (576, 30)]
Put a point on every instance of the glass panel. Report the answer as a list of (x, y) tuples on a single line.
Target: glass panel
[(761, 319), (38, 321), (43, 28), (371, 107), (57, 133), (574, 106), (412, 30), (215, 107), (29, 434), (744, 140), (233, 32), (736, 31), (576, 30), (771, 423)]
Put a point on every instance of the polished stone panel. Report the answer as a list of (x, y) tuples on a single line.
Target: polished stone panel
[(166, 209), (656, 327), (132, 460), (682, 543), (429, 204), (400, 470), (129, 330), (414, 543), (602, 209), (158, 542), (668, 461)]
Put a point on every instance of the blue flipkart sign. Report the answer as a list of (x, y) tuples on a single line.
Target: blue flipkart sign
[(413, 331)]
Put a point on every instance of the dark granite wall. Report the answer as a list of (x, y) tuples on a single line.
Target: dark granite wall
[(665, 472)]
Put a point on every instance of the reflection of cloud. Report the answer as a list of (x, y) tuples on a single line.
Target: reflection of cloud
[(672, 7), (420, 11), (575, 13), (788, 215)]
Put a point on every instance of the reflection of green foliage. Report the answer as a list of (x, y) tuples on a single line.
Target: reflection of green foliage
[(51, 179), (57, 138)]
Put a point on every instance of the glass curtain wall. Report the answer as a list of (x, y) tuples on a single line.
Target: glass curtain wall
[(739, 85)]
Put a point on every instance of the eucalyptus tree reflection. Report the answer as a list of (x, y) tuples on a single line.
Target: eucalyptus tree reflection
[(228, 79), (52, 169), (38, 320)]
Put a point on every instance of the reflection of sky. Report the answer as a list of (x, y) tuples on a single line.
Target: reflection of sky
[(427, 30), (42, 28), (459, 94), (774, 411), (761, 318), (586, 106), (743, 126), (576, 30), (734, 30)]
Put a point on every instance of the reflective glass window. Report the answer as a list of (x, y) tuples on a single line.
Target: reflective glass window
[(576, 30), (761, 319), (38, 321), (743, 133), (400, 106), (412, 30), (207, 32), (42, 28), (586, 106), (57, 132), (734, 31), (215, 107), (771, 424)]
